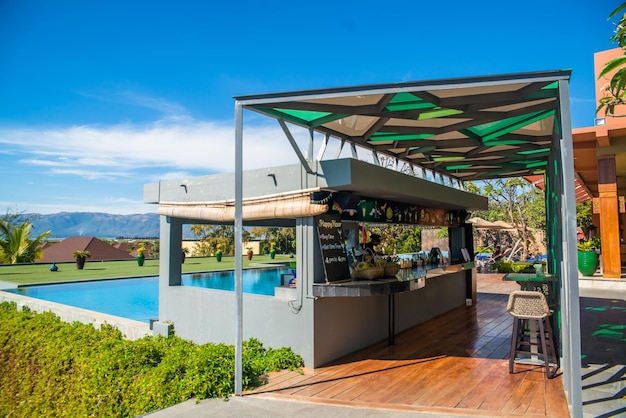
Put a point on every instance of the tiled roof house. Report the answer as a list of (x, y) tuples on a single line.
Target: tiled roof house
[(99, 250)]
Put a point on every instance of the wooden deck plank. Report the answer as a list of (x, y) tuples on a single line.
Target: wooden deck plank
[(398, 381), (504, 389), (436, 386), (522, 397), (538, 404), (483, 390), (278, 382), (454, 362), (349, 379), (412, 389), (556, 403), (376, 371), (460, 389)]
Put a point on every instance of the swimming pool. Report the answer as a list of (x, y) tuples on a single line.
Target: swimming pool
[(138, 298)]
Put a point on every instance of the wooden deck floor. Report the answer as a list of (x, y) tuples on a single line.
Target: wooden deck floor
[(456, 363)]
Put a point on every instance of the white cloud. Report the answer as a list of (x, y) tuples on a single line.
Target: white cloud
[(169, 110), (175, 143), (193, 145), (130, 155), (120, 207)]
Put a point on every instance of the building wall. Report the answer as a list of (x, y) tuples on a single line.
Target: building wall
[(599, 60), (321, 331), (440, 295), (208, 315), (345, 325), (430, 240)]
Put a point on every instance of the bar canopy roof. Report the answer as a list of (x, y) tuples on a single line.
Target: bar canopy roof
[(473, 128)]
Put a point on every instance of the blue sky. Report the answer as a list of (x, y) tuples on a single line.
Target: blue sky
[(98, 98)]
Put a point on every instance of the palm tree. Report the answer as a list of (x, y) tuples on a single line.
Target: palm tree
[(16, 245)]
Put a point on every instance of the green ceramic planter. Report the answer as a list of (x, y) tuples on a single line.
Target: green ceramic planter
[(587, 262)]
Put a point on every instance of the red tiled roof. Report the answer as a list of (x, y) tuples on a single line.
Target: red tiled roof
[(122, 246), (100, 250)]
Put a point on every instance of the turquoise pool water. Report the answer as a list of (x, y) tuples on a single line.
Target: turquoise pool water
[(138, 298)]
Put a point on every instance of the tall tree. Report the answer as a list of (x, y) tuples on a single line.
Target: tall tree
[(401, 238), (16, 245), (284, 239), (396, 238), (519, 203), (213, 235), (584, 217)]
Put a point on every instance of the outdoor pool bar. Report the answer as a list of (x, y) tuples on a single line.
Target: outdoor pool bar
[(410, 146)]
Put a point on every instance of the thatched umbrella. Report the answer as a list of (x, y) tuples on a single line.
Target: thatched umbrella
[(492, 232), (480, 223)]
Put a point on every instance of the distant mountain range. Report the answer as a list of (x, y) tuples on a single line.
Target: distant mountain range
[(100, 225)]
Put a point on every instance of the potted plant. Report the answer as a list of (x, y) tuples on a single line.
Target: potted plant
[(218, 253), (183, 254), (272, 250), (140, 256), (587, 257), (250, 253), (81, 256)]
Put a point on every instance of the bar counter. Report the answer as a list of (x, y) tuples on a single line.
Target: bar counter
[(406, 280)]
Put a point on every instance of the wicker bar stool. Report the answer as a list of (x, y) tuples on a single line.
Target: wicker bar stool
[(527, 307)]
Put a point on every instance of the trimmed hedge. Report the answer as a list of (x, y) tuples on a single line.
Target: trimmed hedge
[(52, 368)]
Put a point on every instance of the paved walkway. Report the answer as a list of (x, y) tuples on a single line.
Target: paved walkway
[(603, 348), (251, 406)]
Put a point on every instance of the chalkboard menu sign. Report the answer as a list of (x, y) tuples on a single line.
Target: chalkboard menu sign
[(333, 248)]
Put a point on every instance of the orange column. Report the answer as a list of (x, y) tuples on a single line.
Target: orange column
[(609, 217)]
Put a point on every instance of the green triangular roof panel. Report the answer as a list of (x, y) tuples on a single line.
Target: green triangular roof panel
[(439, 113), (536, 164), (407, 101), (279, 114), (497, 142), (526, 163), (544, 93), (535, 151), (421, 150), (552, 86), (306, 115), (395, 136), (493, 130), (447, 159), (459, 167)]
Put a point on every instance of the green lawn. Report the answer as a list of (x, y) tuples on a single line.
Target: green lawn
[(23, 274)]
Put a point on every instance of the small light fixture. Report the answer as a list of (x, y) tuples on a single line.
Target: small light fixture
[(599, 122)]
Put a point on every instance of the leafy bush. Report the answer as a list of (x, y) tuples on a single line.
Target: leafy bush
[(590, 244), (522, 267), (52, 368), (503, 266)]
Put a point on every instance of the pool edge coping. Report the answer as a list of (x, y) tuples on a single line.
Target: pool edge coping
[(131, 329)]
